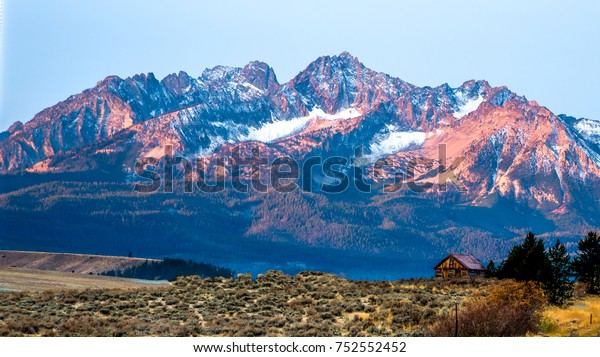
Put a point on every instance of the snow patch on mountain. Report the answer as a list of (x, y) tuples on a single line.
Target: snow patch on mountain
[(395, 141), (590, 129), (276, 130), (279, 129), (587, 140), (467, 105)]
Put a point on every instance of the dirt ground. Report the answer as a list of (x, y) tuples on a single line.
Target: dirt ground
[(66, 262)]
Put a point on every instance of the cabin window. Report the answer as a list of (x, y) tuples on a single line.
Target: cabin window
[(451, 262)]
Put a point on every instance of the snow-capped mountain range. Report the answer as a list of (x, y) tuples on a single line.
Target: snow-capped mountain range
[(512, 147), (67, 173)]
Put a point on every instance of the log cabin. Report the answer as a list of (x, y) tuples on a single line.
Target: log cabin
[(459, 265)]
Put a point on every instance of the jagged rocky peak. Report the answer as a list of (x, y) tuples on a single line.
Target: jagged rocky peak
[(260, 75), (336, 83), (444, 89), (144, 78), (178, 83), (16, 126), (108, 80), (474, 88), (220, 74), (328, 70), (136, 86), (589, 129), (343, 61), (146, 82)]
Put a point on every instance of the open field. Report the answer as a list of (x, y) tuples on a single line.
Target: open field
[(275, 304), (573, 320), (66, 262), (19, 279)]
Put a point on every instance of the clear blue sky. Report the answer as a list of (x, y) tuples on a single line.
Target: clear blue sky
[(546, 50)]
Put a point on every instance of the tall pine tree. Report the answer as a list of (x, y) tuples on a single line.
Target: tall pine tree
[(587, 262), (525, 262), (491, 270), (557, 283)]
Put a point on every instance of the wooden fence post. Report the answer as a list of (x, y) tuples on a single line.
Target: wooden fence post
[(456, 319)]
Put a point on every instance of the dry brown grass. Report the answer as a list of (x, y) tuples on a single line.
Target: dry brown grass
[(66, 262), (573, 320), (275, 304), (17, 279), (509, 309)]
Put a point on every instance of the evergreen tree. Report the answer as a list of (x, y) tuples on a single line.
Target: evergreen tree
[(587, 262), (491, 271), (170, 269), (525, 262), (557, 284)]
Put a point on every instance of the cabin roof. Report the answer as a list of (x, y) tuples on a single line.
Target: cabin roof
[(466, 260)]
